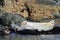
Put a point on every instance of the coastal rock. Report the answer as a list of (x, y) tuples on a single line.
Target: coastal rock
[(7, 18), (31, 9)]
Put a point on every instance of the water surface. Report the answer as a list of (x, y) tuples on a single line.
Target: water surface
[(30, 37)]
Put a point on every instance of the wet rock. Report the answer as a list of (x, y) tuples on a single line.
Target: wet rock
[(4, 30), (57, 15)]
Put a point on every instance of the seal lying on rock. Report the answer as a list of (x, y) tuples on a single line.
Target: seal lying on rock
[(34, 25)]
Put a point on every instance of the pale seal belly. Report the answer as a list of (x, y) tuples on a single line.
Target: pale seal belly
[(35, 25)]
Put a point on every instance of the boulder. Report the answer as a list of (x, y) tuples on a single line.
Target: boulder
[(7, 18)]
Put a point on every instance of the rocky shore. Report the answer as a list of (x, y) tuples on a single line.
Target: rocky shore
[(35, 10), (7, 18), (31, 10)]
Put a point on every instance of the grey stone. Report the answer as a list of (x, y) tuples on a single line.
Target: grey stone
[(7, 18)]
